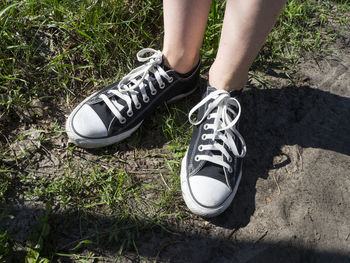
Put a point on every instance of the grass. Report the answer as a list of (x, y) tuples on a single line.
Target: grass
[(52, 54)]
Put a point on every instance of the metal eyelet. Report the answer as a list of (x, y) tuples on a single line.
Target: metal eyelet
[(230, 169), (146, 100), (206, 127), (138, 106), (230, 159), (122, 121), (154, 92), (200, 148), (196, 158), (171, 79), (162, 86), (204, 137), (130, 113)]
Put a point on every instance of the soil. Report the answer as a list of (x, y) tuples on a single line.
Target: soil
[(293, 204)]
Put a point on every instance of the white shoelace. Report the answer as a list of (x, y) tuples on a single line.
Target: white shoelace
[(127, 87), (222, 129)]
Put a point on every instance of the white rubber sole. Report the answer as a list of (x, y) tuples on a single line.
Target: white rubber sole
[(91, 143), (193, 205)]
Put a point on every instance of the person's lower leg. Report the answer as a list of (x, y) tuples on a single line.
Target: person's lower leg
[(184, 27), (246, 26)]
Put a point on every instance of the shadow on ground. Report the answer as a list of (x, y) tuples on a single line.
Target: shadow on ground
[(156, 244), (272, 118)]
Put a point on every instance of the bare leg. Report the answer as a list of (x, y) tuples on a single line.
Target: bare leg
[(184, 27), (246, 26)]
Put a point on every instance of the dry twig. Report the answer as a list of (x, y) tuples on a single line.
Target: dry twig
[(278, 187), (161, 176)]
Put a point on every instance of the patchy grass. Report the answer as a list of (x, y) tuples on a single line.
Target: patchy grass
[(52, 54)]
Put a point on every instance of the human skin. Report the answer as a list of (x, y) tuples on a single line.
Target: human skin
[(246, 25)]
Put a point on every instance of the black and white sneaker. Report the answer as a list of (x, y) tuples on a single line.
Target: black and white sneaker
[(212, 167), (115, 112)]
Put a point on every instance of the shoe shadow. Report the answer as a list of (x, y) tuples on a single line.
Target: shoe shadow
[(273, 118)]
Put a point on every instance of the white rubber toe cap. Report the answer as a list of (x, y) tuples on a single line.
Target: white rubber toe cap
[(208, 191), (87, 123)]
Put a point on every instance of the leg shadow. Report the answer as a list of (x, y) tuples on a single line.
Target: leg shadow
[(272, 118)]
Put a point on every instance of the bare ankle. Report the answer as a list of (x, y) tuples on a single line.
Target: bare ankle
[(226, 80), (180, 62)]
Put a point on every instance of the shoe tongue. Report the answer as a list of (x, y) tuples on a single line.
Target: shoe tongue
[(210, 89), (207, 92), (233, 93), (162, 65)]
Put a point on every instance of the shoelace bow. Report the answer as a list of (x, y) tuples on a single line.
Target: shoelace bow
[(127, 87), (223, 128)]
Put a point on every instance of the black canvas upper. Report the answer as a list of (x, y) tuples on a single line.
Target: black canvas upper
[(181, 84), (203, 167)]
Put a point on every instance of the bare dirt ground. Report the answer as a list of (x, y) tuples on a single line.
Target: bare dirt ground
[(293, 204)]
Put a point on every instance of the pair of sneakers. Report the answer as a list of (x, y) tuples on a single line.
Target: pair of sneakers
[(212, 167)]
